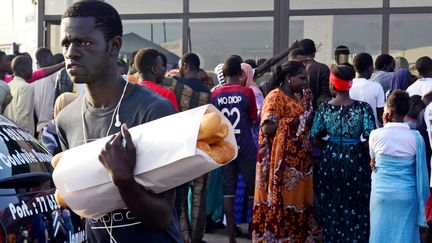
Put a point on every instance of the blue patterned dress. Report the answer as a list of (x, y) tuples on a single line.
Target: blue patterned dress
[(342, 176)]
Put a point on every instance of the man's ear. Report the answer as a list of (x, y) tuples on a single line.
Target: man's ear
[(153, 69), (389, 115), (114, 45), (185, 66)]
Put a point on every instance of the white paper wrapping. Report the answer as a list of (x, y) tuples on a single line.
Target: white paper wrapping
[(166, 158)]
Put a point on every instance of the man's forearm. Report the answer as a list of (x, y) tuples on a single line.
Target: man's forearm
[(273, 60)]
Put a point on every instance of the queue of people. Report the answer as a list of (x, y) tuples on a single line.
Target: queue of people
[(325, 154)]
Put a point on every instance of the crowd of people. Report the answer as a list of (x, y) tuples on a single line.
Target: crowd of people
[(337, 153)]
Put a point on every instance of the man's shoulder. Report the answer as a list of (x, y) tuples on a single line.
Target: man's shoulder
[(71, 110), (146, 95), (318, 66), (415, 86), (366, 83), (21, 87), (145, 99), (233, 90), (227, 89)]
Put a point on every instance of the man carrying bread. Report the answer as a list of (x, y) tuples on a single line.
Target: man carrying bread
[(237, 103), (91, 37)]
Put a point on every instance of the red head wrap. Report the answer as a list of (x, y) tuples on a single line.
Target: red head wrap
[(340, 84)]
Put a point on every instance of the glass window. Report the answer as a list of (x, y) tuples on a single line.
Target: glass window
[(410, 3), (326, 4), (410, 36), (54, 38), (360, 33), (213, 40), (56, 7), (147, 6), (229, 5), (163, 35)]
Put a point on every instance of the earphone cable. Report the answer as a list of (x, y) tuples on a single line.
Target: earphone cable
[(115, 113)]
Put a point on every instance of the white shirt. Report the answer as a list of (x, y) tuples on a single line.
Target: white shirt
[(369, 92), (21, 108), (428, 120), (420, 87), (394, 139), (44, 92)]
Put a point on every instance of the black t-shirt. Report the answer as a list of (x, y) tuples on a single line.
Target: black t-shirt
[(126, 228)]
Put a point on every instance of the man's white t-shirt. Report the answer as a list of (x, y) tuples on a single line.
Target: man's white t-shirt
[(420, 87), (44, 92), (428, 121), (369, 92)]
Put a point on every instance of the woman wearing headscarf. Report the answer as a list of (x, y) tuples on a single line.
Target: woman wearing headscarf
[(249, 82), (283, 189), (342, 176)]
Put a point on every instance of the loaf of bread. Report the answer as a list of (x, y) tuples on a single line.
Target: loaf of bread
[(60, 200), (55, 159), (211, 138), (209, 126), (222, 151)]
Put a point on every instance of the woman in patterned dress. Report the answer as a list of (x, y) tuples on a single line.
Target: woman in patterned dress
[(342, 177), (282, 209)]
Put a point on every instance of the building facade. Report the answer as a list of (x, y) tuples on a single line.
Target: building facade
[(260, 28)]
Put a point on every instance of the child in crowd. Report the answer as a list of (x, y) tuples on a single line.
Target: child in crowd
[(400, 185)]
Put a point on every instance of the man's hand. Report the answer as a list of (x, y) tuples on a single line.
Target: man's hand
[(153, 210), (119, 159)]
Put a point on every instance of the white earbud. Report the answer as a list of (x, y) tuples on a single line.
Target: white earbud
[(117, 123)]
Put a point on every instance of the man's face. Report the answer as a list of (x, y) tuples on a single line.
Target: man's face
[(299, 82), (27, 70), (159, 69), (392, 66), (85, 49), (182, 67), (301, 59)]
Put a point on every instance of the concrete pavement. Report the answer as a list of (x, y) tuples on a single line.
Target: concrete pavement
[(221, 236)]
